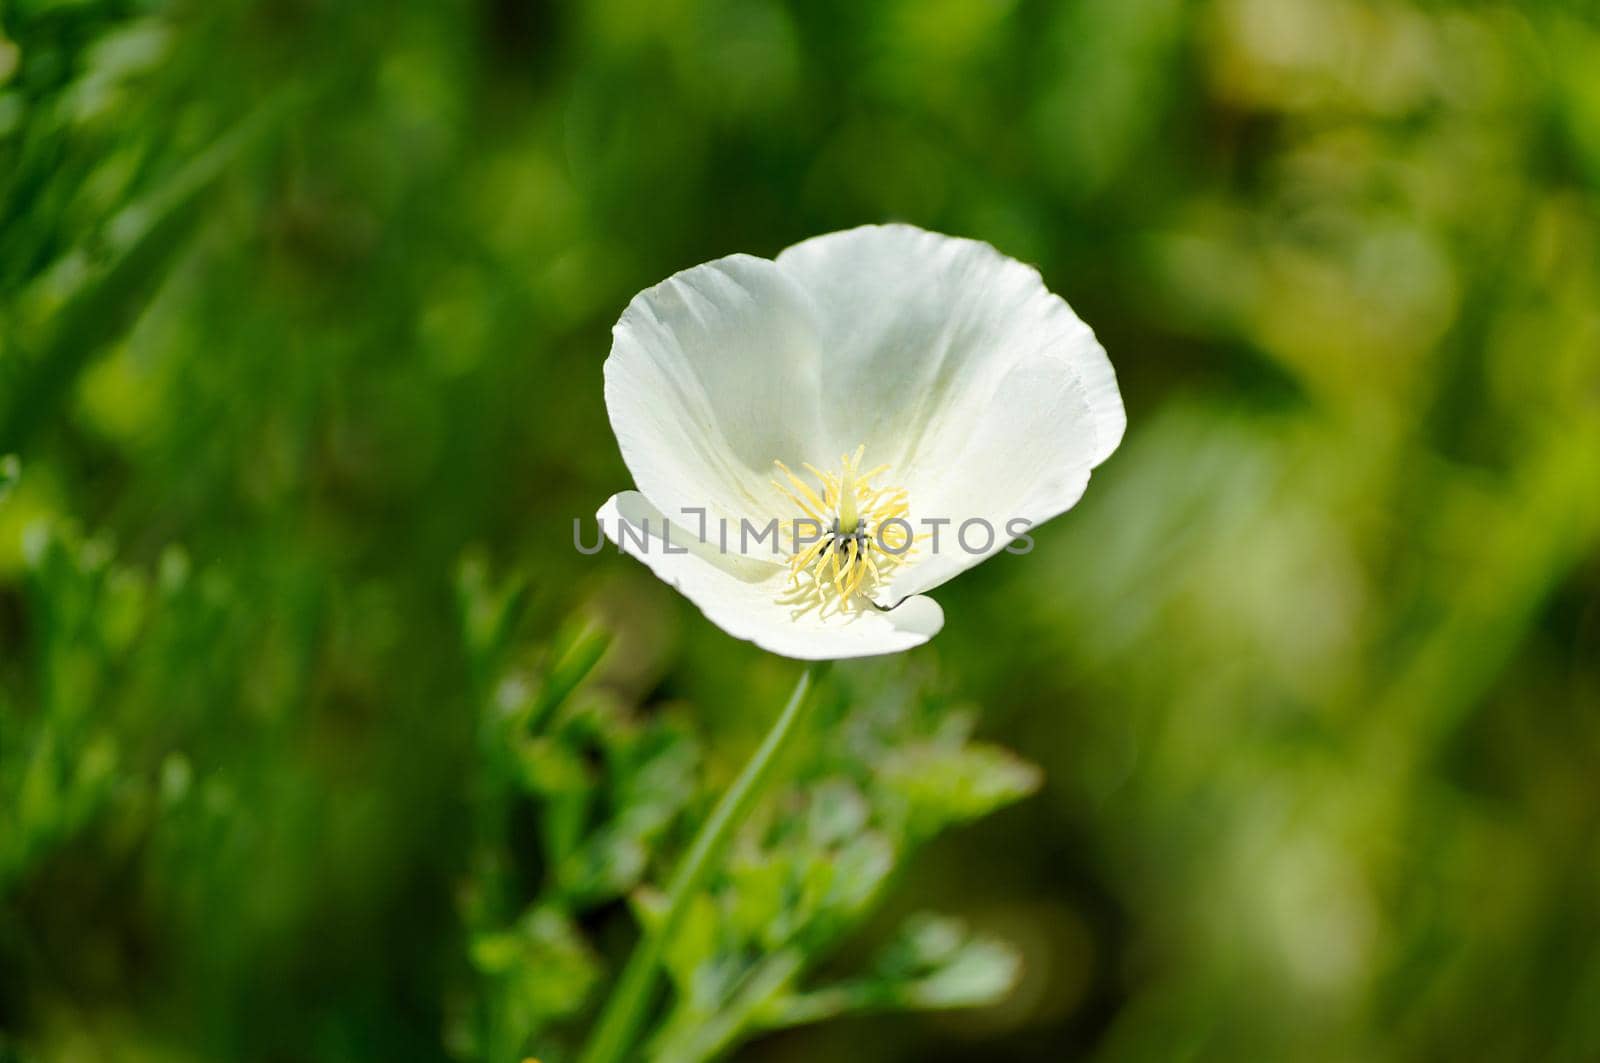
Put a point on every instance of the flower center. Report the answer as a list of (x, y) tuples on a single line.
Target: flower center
[(849, 536)]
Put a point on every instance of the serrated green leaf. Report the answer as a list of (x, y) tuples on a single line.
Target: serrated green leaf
[(933, 964), (980, 972), (942, 785), (926, 941), (862, 867), (655, 775), (838, 810)]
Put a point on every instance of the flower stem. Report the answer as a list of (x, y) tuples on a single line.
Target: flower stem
[(613, 1034)]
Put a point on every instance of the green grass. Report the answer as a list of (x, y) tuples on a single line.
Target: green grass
[(318, 741)]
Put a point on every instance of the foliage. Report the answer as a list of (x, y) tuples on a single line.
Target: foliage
[(610, 792), (319, 741)]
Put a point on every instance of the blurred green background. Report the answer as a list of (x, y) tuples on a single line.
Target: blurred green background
[(305, 302)]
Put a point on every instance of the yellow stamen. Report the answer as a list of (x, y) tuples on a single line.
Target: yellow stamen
[(856, 554), (848, 517)]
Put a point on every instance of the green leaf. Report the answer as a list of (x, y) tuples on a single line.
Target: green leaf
[(488, 611), (607, 864), (861, 869), (757, 892), (695, 944), (941, 785), (693, 948), (575, 659), (934, 964), (544, 966), (838, 811), (979, 973)]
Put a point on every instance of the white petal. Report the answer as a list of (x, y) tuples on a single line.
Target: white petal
[(739, 593), (712, 375), (989, 397)]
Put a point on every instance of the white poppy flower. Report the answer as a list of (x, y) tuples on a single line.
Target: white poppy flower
[(979, 398)]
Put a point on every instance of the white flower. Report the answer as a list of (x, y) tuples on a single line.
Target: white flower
[(978, 397)]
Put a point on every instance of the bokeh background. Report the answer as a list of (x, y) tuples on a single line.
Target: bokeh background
[(304, 307)]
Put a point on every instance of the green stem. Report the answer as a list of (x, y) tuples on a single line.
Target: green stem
[(614, 1033)]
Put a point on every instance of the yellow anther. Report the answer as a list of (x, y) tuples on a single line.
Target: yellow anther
[(865, 535)]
